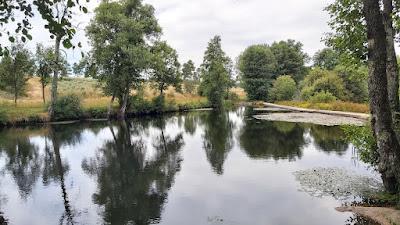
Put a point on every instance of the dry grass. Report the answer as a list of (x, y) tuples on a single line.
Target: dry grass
[(335, 106), (91, 94)]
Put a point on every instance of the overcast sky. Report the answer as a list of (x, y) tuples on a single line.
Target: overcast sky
[(189, 24)]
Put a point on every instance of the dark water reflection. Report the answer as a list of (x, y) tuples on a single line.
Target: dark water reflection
[(195, 168)]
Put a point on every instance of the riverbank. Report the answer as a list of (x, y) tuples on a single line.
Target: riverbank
[(332, 106), (39, 115), (276, 112), (31, 109), (381, 215)]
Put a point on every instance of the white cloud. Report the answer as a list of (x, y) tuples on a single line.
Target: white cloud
[(189, 24)]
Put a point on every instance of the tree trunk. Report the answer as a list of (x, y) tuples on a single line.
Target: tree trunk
[(110, 107), (43, 95), (54, 83), (60, 171), (122, 110), (392, 68), (387, 144)]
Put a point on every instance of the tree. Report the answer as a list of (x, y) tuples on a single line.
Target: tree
[(215, 73), (350, 39), (165, 69), (44, 61), (326, 58), (283, 89), (86, 66), (120, 34), (57, 14), (388, 147), (355, 80), (257, 66), (189, 75), (15, 69), (290, 58), (188, 70)]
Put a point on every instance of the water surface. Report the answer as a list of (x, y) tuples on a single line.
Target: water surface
[(196, 168)]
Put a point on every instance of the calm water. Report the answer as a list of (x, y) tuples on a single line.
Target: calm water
[(197, 168)]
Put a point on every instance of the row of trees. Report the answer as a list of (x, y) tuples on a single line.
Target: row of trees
[(260, 65), (20, 64), (329, 76)]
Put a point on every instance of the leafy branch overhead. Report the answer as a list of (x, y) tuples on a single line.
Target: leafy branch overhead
[(57, 14)]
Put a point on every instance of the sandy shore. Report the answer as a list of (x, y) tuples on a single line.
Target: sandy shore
[(381, 215)]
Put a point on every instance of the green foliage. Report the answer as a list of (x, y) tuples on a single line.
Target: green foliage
[(158, 103), (349, 36), (257, 66), (364, 141), (216, 73), (322, 97), (56, 14), (290, 59), (319, 80), (190, 77), (86, 66), (121, 52), (3, 116), (68, 107), (283, 89), (15, 69), (189, 71), (326, 58), (165, 68), (355, 82)]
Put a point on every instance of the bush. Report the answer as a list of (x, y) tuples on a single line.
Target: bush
[(137, 104), (319, 80), (283, 89), (3, 117), (355, 82), (323, 97), (68, 107)]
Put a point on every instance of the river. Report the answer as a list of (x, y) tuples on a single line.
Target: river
[(196, 168)]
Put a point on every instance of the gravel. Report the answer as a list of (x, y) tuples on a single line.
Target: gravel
[(339, 183)]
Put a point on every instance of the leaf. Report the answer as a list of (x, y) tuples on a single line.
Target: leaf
[(67, 44), (11, 39), (84, 9)]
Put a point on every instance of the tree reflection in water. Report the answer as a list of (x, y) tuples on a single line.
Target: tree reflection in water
[(23, 160), (329, 139), (217, 138), (131, 187), (276, 140)]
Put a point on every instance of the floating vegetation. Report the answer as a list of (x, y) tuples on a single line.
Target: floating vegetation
[(339, 183)]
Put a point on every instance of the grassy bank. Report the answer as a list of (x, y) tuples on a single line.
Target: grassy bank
[(31, 109), (335, 106)]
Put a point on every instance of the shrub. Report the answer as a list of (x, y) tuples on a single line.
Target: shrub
[(3, 117), (319, 80), (68, 107), (355, 82), (159, 103), (323, 97), (283, 89), (137, 104)]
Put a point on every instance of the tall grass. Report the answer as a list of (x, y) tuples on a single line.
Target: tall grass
[(94, 103), (335, 106)]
